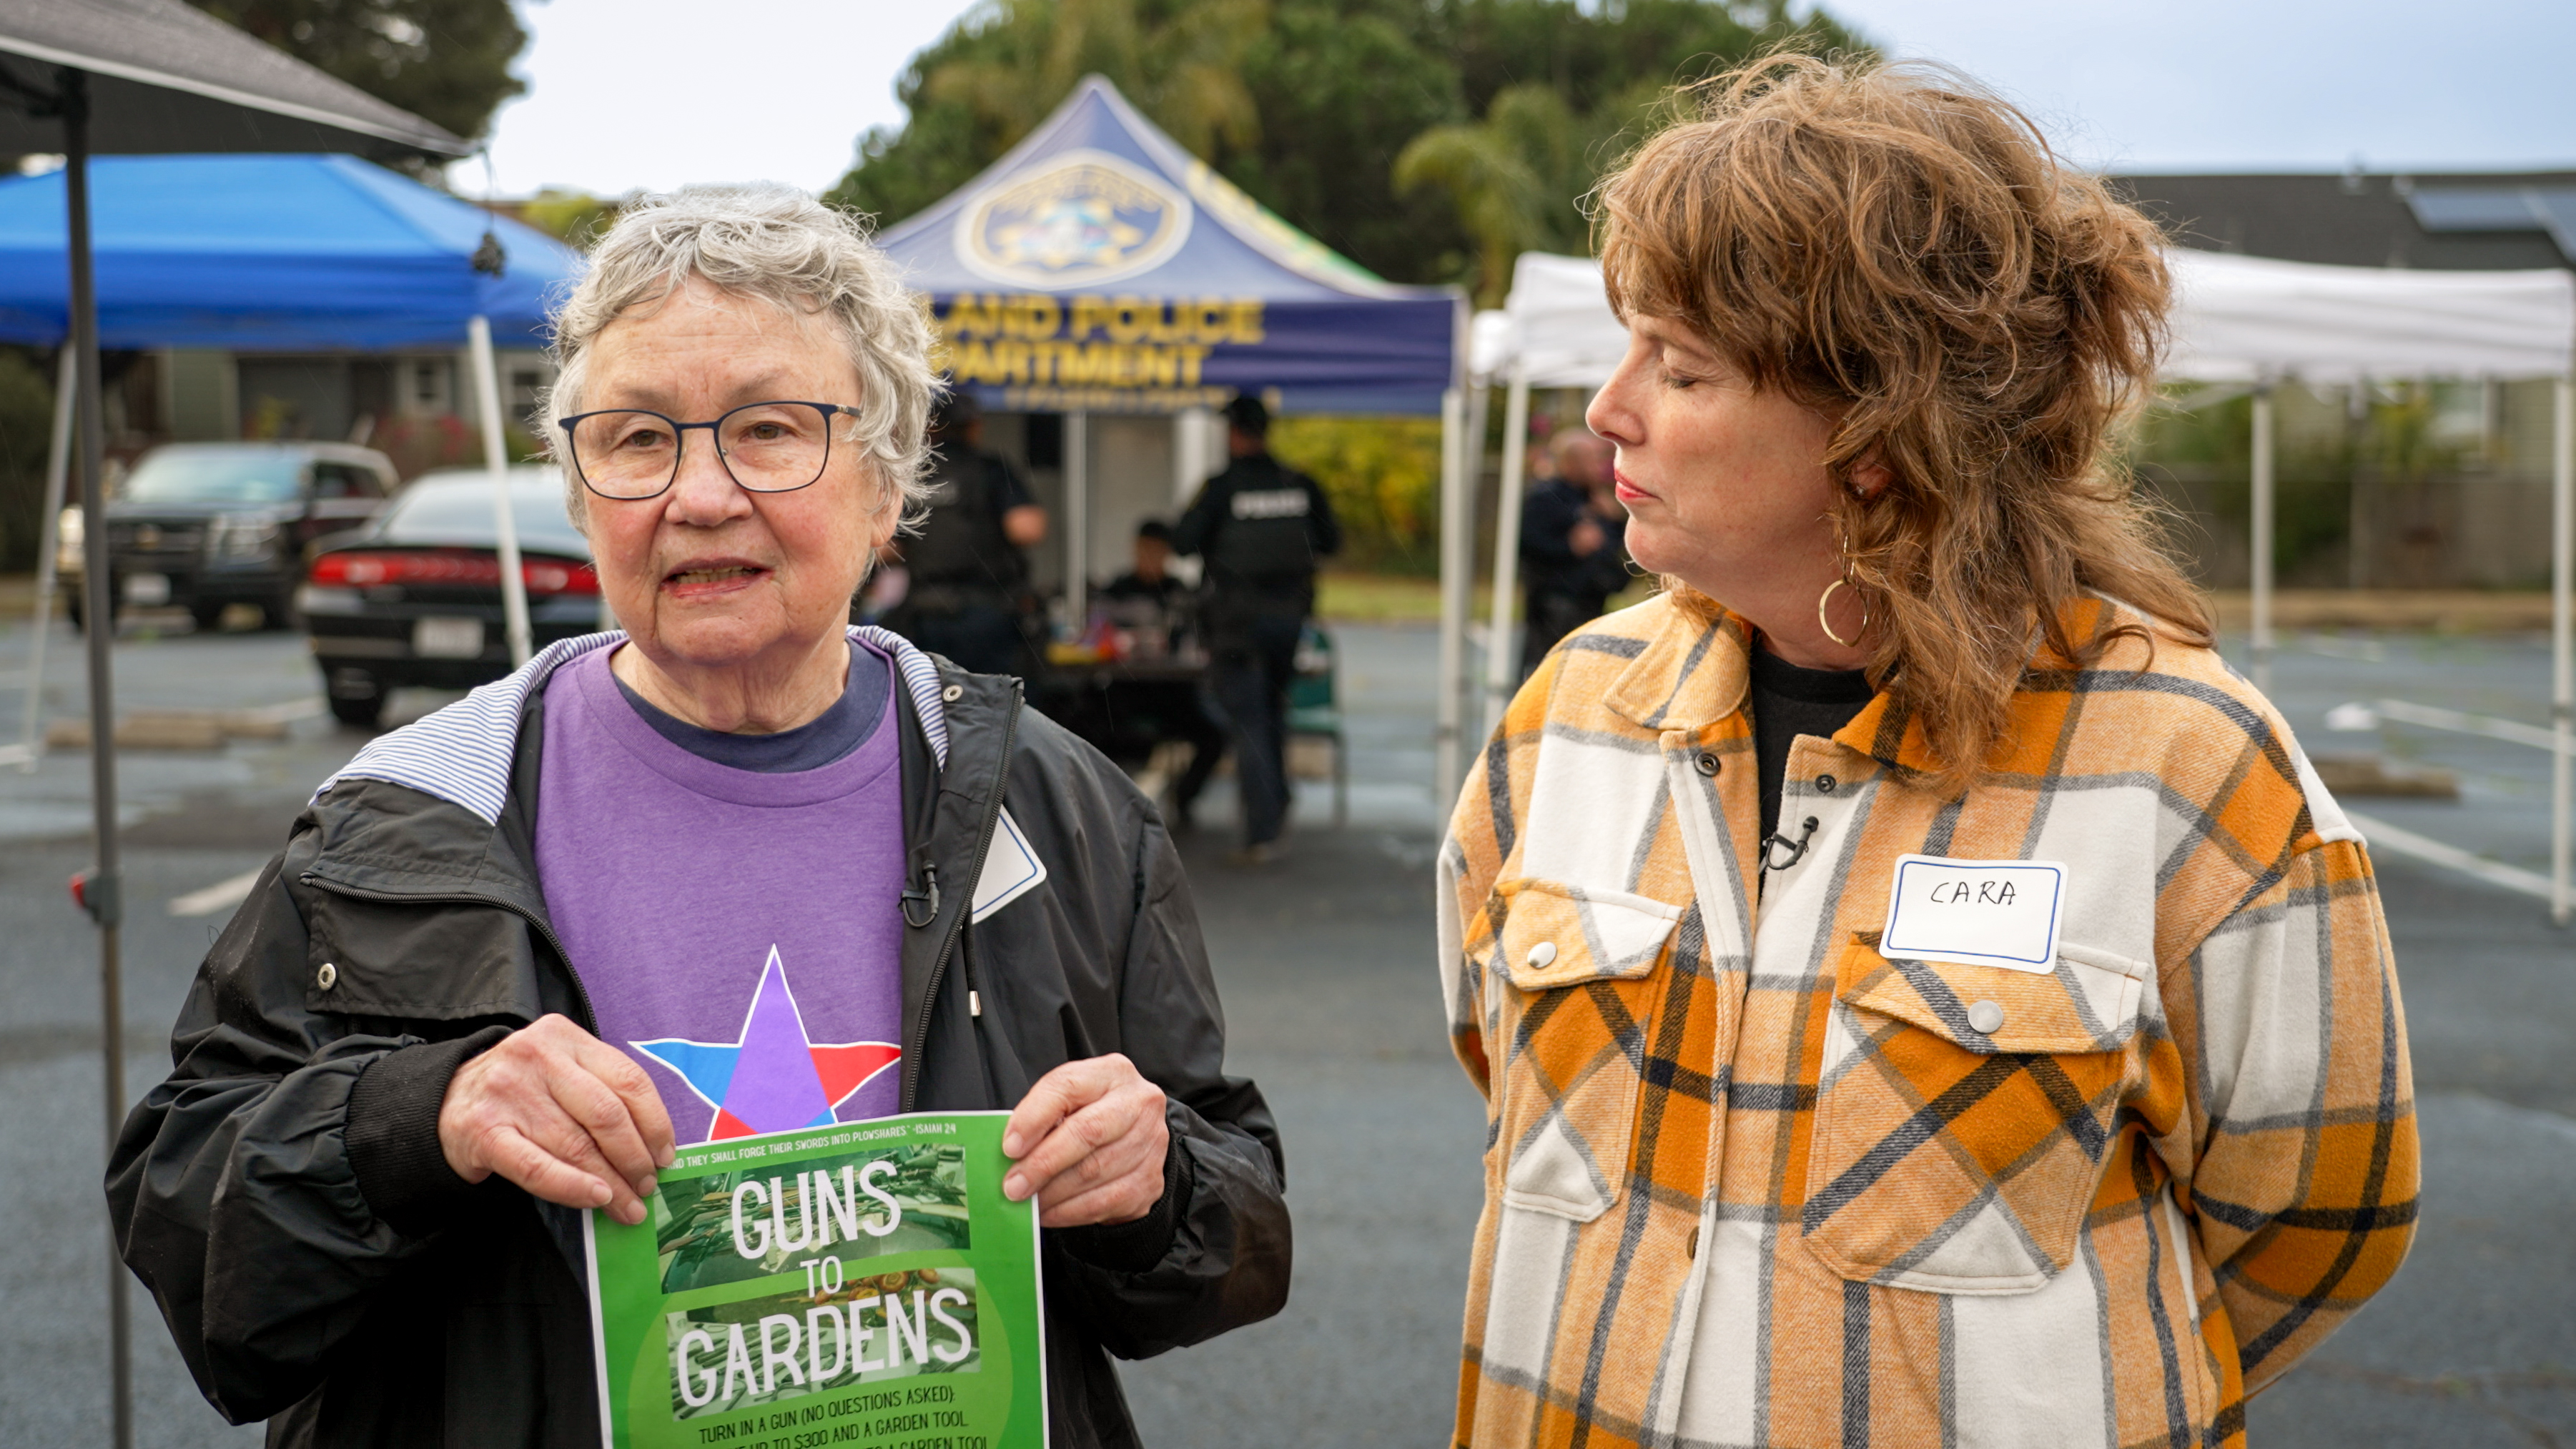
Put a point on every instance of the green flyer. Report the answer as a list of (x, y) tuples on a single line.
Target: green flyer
[(858, 1283)]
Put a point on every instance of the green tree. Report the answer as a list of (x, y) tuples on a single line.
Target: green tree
[(446, 61), (996, 75), (1341, 88), (1508, 176), (1383, 475), (575, 218), (1183, 63), (1308, 105)]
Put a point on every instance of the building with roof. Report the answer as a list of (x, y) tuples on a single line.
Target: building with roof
[(2451, 221), (2404, 482)]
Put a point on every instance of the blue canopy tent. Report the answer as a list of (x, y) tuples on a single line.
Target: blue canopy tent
[(295, 253), (1100, 267), (272, 253)]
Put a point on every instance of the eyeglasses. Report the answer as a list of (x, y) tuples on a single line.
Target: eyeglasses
[(766, 447)]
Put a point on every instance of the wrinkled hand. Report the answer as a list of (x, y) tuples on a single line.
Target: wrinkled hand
[(1089, 1141), (1585, 538), (562, 1114)]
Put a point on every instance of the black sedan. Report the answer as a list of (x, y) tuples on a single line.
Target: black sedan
[(415, 597)]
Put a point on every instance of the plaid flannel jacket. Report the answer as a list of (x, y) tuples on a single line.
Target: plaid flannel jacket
[(1750, 1182)]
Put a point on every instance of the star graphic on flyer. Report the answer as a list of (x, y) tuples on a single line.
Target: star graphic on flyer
[(773, 1078)]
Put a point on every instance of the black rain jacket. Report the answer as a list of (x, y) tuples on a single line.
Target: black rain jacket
[(284, 1197)]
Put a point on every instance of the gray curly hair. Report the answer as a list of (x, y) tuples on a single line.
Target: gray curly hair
[(774, 242)]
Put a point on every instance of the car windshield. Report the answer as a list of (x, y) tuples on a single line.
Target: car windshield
[(261, 477), (459, 511)]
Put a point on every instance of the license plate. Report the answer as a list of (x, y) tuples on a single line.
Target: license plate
[(447, 638), (147, 591)]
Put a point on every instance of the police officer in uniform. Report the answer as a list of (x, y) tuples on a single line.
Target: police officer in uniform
[(968, 577), (1259, 527), (1572, 529)]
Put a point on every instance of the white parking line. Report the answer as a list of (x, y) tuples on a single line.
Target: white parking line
[(2383, 836), (286, 713), (221, 896), (2539, 737)]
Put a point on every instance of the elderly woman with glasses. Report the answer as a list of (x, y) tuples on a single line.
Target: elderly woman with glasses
[(736, 869)]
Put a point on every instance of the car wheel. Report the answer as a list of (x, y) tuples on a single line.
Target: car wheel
[(279, 613), (209, 616), (357, 697)]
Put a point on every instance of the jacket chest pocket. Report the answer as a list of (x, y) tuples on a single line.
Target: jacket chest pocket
[(1582, 971), (1963, 1116), (416, 960)]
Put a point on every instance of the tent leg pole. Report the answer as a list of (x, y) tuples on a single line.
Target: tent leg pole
[(1502, 661), (48, 539), (103, 893), (2262, 541), (1077, 521), (1191, 465), (1457, 541), (505, 523), (1471, 469), (2562, 645)]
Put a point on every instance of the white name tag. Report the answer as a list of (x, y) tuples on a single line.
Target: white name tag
[(1011, 869), (1983, 912)]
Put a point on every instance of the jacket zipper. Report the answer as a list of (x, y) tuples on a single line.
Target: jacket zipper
[(957, 928), (581, 993)]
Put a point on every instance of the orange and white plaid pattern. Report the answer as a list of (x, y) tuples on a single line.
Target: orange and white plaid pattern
[(1748, 1181)]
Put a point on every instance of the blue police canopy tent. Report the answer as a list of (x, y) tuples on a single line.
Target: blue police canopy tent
[(1099, 267), (258, 253)]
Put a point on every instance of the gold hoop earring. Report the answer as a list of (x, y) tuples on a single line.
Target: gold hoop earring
[(1827, 625)]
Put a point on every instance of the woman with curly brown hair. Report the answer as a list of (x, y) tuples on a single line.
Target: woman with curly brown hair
[(1921, 994)]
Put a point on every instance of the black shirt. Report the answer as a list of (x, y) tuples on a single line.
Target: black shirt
[(1128, 587), (1788, 702), (962, 542), (1548, 559)]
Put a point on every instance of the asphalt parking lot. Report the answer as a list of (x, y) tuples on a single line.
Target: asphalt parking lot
[(1325, 965)]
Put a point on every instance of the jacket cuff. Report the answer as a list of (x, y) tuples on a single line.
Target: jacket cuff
[(1134, 1247), (402, 1171)]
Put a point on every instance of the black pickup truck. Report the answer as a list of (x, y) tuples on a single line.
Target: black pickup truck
[(204, 526)]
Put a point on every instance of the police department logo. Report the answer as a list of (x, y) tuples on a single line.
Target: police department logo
[(1087, 217)]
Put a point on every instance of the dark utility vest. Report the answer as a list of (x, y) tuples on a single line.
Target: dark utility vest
[(961, 544), (1264, 539)]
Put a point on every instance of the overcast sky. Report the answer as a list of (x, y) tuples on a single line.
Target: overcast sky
[(652, 93)]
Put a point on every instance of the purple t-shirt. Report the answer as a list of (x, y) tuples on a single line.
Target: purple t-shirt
[(738, 931)]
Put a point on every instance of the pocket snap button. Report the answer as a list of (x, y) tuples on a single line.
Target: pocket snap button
[(327, 977), (953, 693), (1825, 784), (1986, 1017), (1706, 764), (1543, 953)]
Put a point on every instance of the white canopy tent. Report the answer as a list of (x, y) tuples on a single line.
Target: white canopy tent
[(2251, 319), (2236, 319), (1555, 330)]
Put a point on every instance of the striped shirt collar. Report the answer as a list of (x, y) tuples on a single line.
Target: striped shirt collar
[(462, 754)]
